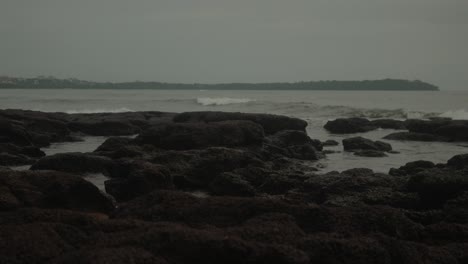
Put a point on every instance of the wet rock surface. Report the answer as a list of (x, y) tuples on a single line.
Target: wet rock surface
[(433, 130), (50, 189), (270, 123), (412, 136), (365, 147), (211, 187), (436, 129), (360, 143), (349, 125), (174, 136)]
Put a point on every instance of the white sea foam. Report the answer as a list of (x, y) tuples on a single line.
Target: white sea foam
[(93, 111), (207, 101), (456, 114)]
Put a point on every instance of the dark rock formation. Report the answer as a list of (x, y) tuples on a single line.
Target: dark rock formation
[(412, 168), (425, 126), (263, 201), (370, 153), (77, 163), (433, 130), (270, 123), (22, 127), (412, 136), (330, 142), (114, 143), (12, 155), (231, 184), (349, 125), (288, 138), (198, 135), (294, 144), (458, 161), (137, 178), (438, 129), (360, 143), (437, 185), (106, 128), (359, 125), (48, 189), (13, 133), (389, 123)]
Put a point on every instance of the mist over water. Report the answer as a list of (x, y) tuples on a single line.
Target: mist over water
[(316, 107)]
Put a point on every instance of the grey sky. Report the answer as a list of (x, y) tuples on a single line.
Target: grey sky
[(236, 41)]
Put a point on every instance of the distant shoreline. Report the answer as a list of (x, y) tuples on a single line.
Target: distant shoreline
[(367, 85)]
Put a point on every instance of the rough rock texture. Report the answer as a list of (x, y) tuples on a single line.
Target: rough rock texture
[(437, 129), (330, 142), (48, 189), (349, 125), (433, 130), (458, 161), (287, 138), (370, 153), (437, 185), (412, 136), (365, 147), (139, 177), (389, 123), (412, 168), (200, 135), (77, 163), (240, 188), (294, 144), (270, 123)]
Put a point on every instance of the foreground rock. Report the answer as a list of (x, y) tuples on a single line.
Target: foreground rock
[(225, 188), (48, 189), (458, 161), (232, 157), (437, 185), (357, 215), (412, 168), (80, 163), (137, 178)]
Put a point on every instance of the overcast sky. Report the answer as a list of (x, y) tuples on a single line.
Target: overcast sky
[(211, 41)]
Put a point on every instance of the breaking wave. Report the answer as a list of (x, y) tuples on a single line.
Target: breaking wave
[(207, 101), (93, 111), (456, 114)]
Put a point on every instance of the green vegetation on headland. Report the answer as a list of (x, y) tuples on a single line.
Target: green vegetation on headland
[(368, 85)]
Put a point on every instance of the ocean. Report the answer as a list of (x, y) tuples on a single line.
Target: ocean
[(316, 107)]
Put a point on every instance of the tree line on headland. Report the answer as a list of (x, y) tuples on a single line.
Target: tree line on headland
[(370, 85)]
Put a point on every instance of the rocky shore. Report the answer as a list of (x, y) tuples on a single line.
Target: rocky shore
[(214, 187)]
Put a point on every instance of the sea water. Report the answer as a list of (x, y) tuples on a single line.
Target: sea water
[(316, 107)]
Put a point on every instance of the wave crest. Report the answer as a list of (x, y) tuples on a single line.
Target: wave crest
[(207, 101), (460, 114)]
